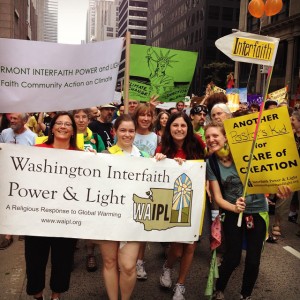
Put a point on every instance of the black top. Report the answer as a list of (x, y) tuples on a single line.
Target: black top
[(104, 130)]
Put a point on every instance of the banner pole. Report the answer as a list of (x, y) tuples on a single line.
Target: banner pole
[(262, 106), (127, 67)]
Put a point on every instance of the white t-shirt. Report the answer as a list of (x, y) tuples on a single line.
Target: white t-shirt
[(146, 142), (26, 138), (134, 152)]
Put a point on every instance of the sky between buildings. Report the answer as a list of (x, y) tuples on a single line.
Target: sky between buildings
[(72, 21)]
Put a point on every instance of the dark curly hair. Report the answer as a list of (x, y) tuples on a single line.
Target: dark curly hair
[(191, 146)]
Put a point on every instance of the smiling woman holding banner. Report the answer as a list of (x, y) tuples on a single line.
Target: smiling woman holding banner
[(119, 258), (227, 190), (62, 135), (179, 143)]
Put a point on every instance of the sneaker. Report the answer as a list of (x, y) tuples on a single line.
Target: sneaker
[(293, 218), (6, 243), (179, 290), (165, 278), (140, 271), (218, 295), (91, 263), (246, 298), (272, 239)]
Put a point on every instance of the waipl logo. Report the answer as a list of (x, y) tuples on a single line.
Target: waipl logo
[(165, 208)]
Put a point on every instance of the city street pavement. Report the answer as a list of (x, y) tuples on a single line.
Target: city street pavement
[(278, 278)]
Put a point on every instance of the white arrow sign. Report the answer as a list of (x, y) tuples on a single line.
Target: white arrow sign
[(249, 48)]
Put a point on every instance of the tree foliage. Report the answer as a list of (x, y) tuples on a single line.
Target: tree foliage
[(217, 72)]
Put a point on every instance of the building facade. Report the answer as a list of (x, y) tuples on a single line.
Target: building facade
[(133, 17), (91, 22), (193, 25), (18, 19), (286, 26), (102, 20), (47, 11), (106, 19)]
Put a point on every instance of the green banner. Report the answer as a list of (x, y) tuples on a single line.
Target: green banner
[(158, 71)]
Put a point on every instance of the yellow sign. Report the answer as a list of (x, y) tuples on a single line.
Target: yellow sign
[(233, 101), (279, 95), (217, 89), (275, 157), (253, 49)]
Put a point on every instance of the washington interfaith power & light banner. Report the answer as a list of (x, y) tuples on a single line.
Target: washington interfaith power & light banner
[(51, 192)]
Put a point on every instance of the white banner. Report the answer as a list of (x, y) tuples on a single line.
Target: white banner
[(40, 76), (249, 47), (50, 192)]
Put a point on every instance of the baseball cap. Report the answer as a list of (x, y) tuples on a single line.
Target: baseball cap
[(107, 105)]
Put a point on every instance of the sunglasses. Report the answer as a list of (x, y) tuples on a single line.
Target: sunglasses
[(199, 109)]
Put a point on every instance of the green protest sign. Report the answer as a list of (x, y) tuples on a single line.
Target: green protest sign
[(158, 71)]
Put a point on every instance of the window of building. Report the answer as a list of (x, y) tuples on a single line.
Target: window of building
[(202, 14), (193, 19), (138, 3), (225, 31), (227, 14), (237, 15), (188, 21), (192, 38), (212, 33), (110, 34), (211, 53), (252, 23), (186, 40), (17, 15), (280, 61), (213, 12)]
